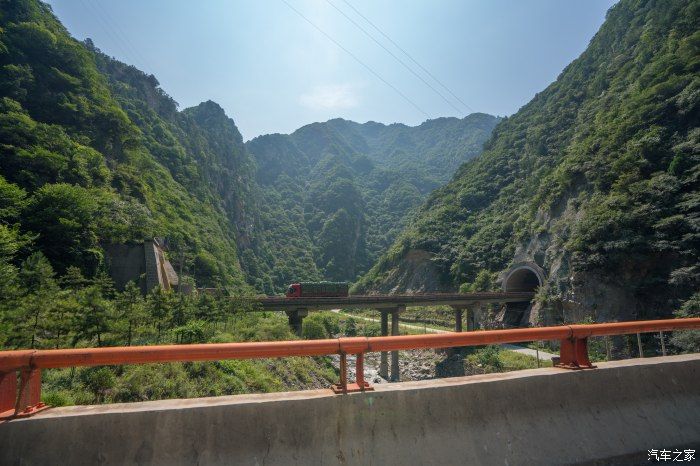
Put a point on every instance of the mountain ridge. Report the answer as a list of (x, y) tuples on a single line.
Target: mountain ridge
[(107, 136), (594, 180), (360, 160)]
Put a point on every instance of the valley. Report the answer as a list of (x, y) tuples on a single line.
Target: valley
[(592, 186)]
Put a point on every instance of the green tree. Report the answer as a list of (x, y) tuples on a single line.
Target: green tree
[(351, 327), (194, 331), (60, 319), (12, 201), (131, 311), (37, 278), (94, 316), (484, 281), (64, 217), (73, 279), (688, 340), (159, 304), (10, 291), (312, 329), (99, 380)]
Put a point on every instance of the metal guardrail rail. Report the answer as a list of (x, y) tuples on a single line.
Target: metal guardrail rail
[(24, 366)]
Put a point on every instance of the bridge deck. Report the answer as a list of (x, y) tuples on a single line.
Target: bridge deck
[(391, 301)]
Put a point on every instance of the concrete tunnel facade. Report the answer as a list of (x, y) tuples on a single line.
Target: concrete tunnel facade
[(523, 276)]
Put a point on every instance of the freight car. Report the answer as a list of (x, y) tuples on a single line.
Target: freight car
[(317, 289)]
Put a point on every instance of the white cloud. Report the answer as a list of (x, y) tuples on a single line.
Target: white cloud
[(330, 97)]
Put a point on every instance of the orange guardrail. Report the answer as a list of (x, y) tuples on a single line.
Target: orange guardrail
[(24, 366)]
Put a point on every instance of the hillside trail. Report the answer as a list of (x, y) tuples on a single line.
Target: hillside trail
[(543, 355)]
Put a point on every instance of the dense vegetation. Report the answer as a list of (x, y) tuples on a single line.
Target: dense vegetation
[(337, 193), (596, 179), (41, 310), (88, 159), (93, 152)]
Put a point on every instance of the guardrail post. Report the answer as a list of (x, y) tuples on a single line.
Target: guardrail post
[(343, 373), (360, 385), (25, 401), (573, 354), (8, 394), (29, 399), (360, 370)]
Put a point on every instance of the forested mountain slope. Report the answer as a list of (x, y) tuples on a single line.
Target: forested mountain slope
[(595, 180), (337, 193), (93, 152)]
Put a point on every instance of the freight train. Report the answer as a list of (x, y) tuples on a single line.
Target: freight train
[(317, 289)]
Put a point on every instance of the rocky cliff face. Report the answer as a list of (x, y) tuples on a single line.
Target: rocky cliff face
[(595, 181)]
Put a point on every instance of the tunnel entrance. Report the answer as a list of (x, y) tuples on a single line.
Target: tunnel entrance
[(522, 277)]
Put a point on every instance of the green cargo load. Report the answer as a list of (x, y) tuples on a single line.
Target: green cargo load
[(324, 288)]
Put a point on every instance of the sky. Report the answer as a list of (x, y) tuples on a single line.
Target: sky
[(276, 65)]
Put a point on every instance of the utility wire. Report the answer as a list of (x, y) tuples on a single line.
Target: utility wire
[(449, 102), (125, 37), (117, 42), (132, 55), (408, 55), (356, 59)]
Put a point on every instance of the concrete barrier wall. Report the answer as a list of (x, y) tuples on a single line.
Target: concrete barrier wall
[(543, 416)]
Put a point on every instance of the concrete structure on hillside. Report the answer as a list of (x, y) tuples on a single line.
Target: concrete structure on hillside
[(143, 263), (612, 414), (520, 277)]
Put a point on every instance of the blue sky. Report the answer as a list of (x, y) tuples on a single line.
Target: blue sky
[(272, 71)]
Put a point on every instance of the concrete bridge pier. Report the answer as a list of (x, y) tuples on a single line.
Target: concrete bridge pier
[(468, 313), (384, 356), (296, 318), (462, 311), (395, 371), (471, 316), (459, 311)]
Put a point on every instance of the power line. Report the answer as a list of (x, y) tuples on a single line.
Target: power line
[(356, 59), (408, 55), (393, 55), (125, 37), (125, 47), (117, 42)]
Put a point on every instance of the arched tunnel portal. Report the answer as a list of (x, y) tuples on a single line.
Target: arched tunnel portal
[(525, 276)]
